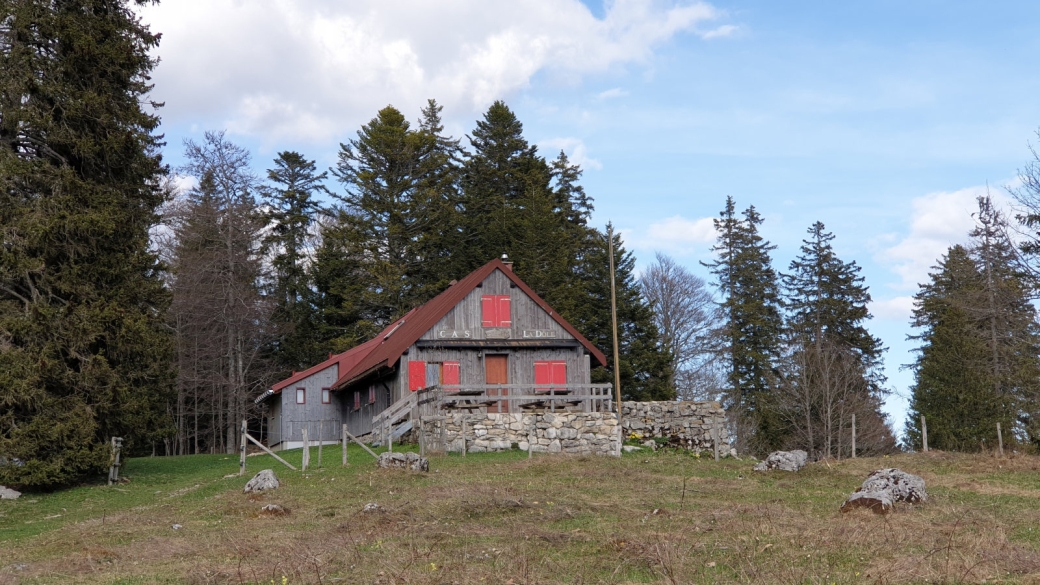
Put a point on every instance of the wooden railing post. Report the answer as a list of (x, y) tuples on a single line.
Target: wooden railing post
[(924, 434), (306, 455)]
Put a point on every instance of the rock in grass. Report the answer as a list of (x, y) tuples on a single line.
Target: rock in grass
[(883, 488), (273, 510), (783, 460), (403, 461), (265, 480), (8, 493)]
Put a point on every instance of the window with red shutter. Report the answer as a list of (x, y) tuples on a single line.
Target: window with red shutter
[(542, 373), (450, 374), (372, 395), (550, 373), (488, 311), (495, 311), (357, 400), (416, 375)]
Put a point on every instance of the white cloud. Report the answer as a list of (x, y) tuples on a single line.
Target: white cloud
[(895, 309), (675, 234), (611, 93), (573, 147), (310, 69), (939, 221), (726, 30)]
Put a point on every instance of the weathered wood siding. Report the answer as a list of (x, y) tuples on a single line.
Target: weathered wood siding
[(359, 420), (294, 417), (526, 314)]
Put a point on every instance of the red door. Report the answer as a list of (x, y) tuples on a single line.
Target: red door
[(496, 371)]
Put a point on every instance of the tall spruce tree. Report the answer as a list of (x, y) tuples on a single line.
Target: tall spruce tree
[(752, 325), (953, 384), (833, 363), (292, 210), (84, 353)]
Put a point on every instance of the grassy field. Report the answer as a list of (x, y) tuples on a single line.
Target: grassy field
[(499, 518)]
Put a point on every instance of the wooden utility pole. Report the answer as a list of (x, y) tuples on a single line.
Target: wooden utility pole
[(613, 319)]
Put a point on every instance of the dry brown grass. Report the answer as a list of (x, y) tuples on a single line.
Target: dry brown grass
[(500, 518)]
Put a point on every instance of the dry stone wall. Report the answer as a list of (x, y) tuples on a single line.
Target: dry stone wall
[(685, 424), (585, 433)]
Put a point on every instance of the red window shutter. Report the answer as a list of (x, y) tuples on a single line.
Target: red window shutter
[(542, 373), (559, 373), (372, 395), (416, 375), (504, 314), (450, 374), (357, 400), (488, 311)]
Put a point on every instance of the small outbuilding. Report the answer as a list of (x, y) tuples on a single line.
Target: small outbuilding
[(489, 331)]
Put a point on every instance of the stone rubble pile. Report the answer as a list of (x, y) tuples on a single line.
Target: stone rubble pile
[(883, 488), (410, 461), (783, 461)]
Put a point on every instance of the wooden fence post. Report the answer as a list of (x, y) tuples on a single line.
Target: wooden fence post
[(344, 445), (306, 455), (924, 434), (715, 434), (269, 452), (321, 440), (113, 469), (853, 436), (1000, 440), (242, 450)]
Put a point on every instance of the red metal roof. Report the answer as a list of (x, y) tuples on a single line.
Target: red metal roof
[(402, 334)]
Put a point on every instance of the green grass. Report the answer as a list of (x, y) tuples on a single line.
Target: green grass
[(491, 518)]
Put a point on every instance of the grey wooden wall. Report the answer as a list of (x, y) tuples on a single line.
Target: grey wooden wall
[(295, 416)]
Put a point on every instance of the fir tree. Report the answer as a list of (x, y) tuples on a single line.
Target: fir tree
[(953, 384), (84, 353), (752, 324), (291, 213)]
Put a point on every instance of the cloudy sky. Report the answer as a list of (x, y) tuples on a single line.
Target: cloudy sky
[(883, 119)]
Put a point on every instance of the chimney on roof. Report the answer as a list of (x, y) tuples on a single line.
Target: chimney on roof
[(507, 262)]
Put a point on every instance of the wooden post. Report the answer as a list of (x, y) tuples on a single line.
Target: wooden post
[(613, 319), (924, 434), (269, 452), (853, 436), (306, 449), (715, 434), (1000, 440), (422, 439), (242, 450), (116, 460), (321, 439), (344, 445), (463, 436)]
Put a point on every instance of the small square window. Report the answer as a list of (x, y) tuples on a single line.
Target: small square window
[(326, 398), (301, 396)]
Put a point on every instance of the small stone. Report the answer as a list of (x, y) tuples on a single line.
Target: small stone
[(265, 480), (877, 502), (631, 448), (7, 493), (404, 461), (372, 507), (273, 510), (176, 527), (784, 461)]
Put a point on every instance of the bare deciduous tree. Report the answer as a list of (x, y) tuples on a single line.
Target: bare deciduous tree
[(686, 317)]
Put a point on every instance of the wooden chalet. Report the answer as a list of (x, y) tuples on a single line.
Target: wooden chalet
[(486, 343)]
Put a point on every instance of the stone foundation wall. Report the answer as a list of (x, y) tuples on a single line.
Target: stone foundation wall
[(687, 424), (584, 433)]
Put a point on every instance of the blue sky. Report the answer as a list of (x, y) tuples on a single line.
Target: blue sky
[(882, 119)]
